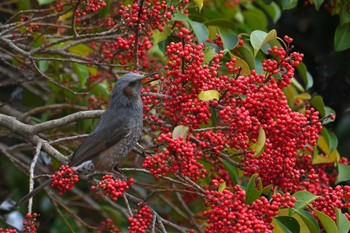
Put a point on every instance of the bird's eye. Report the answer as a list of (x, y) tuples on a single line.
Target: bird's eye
[(133, 83)]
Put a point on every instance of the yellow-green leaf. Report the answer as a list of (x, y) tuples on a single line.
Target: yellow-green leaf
[(259, 146), (209, 95), (80, 49), (327, 223), (222, 187), (199, 3), (180, 131)]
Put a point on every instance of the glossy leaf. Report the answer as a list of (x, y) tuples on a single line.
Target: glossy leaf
[(159, 36), (259, 146), (180, 131), (317, 102), (43, 65), (343, 173), (255, 19), (252, 191), (318, 4), (209, 95), (331, 140), (309, 220), (306, 76), (199, 3), (232, 171), (342, 37), (80, 49), (247, 55), (222, 187), (259, 38), (287, 224), (327, 223), (289, 4), (209, 53), (303, 198), (342, 221), (200, 30), (228, 37)]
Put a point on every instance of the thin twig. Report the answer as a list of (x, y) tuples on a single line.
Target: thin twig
[(31, 174)]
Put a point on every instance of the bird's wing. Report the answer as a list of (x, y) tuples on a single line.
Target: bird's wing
[(103, 137)]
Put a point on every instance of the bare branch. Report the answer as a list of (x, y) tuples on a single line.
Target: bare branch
[(31, 174)]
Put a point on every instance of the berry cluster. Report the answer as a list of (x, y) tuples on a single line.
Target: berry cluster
[(113, 188), (30, 225), (229, 213), (179, 156), (151, 15), (108, 226), (141, 220), (85, 6), (64, 179), (330, 198), (8, 230)]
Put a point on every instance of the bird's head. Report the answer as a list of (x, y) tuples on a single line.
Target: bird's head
[(127, 90)]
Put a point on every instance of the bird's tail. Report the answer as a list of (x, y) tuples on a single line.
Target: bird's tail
[(32, 193)]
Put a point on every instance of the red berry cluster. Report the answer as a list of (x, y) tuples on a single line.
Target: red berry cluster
[(113, 188), (8, 230), (30, 225), (151, 15), (85, 6), (179, 156), (141, 220), (229, 213), (282, 64), (108, 227), (64, 179)]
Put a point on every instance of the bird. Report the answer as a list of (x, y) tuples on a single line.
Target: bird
[(115, 134)]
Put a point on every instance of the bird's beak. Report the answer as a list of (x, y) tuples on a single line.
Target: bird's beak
[(148, 78)]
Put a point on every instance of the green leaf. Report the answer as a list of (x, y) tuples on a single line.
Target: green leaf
[(209, 53), (309, 221), (306, 76), (220, 23), (180, 131), (289, 4), (344, 16), (272, 9), (327, 223), (331, 139), (199, 3), (82, 72), (43, 65), (44, 2), (209, 95), (80, 49), (303, 198), (228, 37), (255, 19), (259, 146), (342, 37), (180, 16), (318, 104), (318, 4), (259, 38), (222, 187), (342, 221), (343, 173), (287, 224), (200, 30), (159, 36), (232, 171), (253, 192), (247, 55), (100, 89)]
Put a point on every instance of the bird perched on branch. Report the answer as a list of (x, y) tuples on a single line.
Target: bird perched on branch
[(115, 134)]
